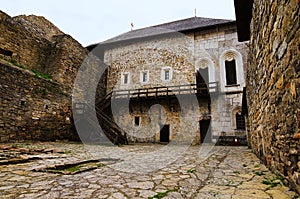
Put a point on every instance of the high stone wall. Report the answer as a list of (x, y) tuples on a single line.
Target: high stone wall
[(32, 108), (273, 82)]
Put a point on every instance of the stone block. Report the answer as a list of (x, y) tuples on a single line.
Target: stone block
[(280, 83)]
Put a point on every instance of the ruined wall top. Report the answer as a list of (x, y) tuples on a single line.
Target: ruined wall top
[(38, 44), (38, 26)]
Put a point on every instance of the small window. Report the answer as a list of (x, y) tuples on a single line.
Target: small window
[(125, 78), (166, 74), (240, 121), (23, 102), (230, 67), (144, 77), (137, 121)]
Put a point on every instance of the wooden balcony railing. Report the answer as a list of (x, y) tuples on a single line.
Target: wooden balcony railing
[(197, 89)]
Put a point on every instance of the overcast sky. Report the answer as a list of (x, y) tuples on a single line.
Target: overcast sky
[(92, 21)]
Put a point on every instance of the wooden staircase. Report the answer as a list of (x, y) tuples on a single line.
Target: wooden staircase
[(89, 123)]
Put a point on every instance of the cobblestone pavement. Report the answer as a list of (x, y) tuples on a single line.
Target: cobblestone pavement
[(226, 172)]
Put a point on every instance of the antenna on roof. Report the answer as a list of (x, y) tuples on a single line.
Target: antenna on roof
[(195, 12), (132, 25)]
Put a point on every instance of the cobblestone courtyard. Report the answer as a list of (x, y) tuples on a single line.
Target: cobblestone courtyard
[(226, 172)]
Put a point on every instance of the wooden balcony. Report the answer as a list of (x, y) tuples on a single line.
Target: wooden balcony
[(165, 91)]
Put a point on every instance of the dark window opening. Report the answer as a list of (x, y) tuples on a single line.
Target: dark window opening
[(240, 121), (137, 121), (203, 75), (230, 67), (23, 102), (202, 80)]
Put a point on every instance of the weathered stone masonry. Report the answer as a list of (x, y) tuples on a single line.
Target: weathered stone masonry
[(273, 86), (32, 108)]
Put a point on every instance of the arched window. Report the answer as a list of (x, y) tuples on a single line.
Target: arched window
[(208, 65), (203, 72), (205, 69), (232, 71)]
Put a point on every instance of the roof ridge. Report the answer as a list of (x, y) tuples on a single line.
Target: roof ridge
[(177, 21), (186, 19), (186, 24)]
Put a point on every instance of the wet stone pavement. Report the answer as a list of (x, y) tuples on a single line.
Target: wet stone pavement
[(70, 170)]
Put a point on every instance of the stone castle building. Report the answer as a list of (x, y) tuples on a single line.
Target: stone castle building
[(179, 79)]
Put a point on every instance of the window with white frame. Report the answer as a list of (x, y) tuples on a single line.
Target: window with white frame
[(144, 76), (231, 71), (125, 78), (166, 74)]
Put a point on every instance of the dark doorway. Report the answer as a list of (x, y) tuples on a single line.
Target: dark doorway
[(137, 121), (165, 134), (205, 131), (202, 80)]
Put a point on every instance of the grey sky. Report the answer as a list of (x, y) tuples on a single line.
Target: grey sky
[(92, 21)]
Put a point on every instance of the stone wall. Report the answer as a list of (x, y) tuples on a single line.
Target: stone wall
[(175, 52), (273, 86), (32, 108), (38, 44)]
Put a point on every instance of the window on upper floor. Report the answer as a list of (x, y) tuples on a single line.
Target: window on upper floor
[(144, 76), (166, 74), (125, 78), (230, 69)]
